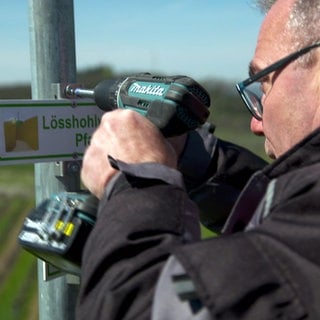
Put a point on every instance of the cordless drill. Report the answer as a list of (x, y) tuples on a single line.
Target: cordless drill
[(174, 104), (57, 229)]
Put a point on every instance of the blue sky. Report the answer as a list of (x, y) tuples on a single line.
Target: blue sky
[(198, 38)]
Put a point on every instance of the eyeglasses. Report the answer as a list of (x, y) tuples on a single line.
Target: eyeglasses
[(250, 89)]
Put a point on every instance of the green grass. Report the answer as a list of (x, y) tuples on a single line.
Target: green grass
[(17, 174), (19, 288), (18, 285), (14, 210), (206, 233)]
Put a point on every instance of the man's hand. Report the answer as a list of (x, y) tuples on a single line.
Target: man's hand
[(127, 136)]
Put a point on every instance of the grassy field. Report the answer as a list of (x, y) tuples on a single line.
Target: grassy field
[(18, 271)]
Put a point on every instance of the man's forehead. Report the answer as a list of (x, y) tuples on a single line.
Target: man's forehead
[(273, 42), (275, 23)]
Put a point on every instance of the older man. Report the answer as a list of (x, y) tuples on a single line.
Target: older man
[(144, 259)]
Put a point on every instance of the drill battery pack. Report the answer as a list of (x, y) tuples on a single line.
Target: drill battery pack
[(57, 229)]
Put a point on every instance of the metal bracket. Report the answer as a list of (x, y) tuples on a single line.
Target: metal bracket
[(49, 272), (68, 173)]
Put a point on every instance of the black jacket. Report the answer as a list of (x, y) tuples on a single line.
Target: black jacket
[(265, 266)]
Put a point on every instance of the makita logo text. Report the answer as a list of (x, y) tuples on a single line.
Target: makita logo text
[(154, 90)]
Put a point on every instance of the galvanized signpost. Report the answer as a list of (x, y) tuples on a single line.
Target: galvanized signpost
[(52, 51), (50, 132)]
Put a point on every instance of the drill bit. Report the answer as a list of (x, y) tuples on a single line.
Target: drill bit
[(72, 91)]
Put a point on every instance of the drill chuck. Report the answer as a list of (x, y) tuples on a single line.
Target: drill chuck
[(104, 93)]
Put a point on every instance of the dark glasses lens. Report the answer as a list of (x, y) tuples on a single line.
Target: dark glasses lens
[(251, 95)]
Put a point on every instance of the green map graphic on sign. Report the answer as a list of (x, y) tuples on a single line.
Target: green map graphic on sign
[(21, 135)]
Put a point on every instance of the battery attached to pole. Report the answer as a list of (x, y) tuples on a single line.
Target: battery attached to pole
[(57, 229)]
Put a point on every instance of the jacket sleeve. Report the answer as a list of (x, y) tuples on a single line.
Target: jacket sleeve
[(140, 220), (144, 214), (215, 172), (272, 269)]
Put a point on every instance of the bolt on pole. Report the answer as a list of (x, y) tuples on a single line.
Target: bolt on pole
[(52, 52)]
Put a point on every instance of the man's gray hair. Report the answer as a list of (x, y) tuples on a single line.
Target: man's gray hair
[(265, 5), (304, 21)]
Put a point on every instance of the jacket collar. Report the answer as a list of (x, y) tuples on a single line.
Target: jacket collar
[(305, 153)]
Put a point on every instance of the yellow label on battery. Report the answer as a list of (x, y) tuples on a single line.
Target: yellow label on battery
[(59, 225), (69, 229)]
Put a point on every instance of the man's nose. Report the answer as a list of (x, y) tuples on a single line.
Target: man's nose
[(256, 126)]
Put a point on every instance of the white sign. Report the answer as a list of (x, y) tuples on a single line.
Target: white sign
[(46, 130)]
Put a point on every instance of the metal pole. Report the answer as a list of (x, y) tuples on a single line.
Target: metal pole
[(52, 48)]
